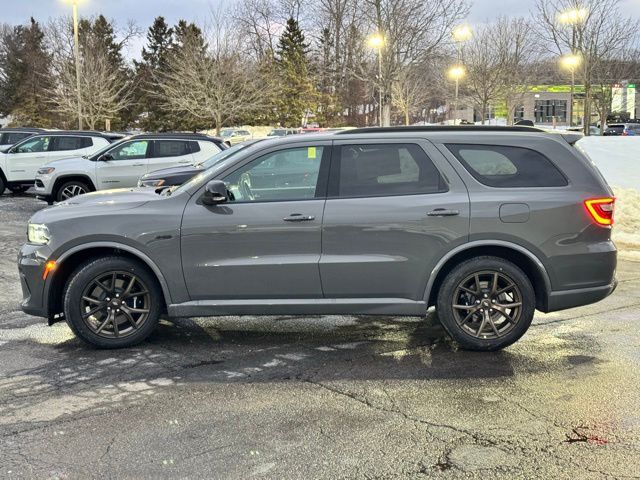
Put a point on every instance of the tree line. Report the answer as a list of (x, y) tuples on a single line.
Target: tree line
[(289, 62)]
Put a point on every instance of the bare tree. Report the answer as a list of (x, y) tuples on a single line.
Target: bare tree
[(597, 28), (415, 85), (217, 83), (105, 91), (618, 67), (413, 30)]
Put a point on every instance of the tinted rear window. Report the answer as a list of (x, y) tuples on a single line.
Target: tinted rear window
[(13, 137), (71, 143), (508, 167), (385, 169), (170, 148)]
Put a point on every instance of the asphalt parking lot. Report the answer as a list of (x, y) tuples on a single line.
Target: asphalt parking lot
[(330, 397)]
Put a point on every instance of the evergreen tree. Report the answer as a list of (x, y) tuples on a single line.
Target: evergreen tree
[(297, 94), (26, 76), (155, 57)]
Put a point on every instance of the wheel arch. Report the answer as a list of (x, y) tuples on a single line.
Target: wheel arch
[(517, 254), (72, 176), (69, 260)]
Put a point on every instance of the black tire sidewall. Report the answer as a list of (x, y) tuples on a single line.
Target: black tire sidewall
[(66, 184), (3, 185), (84, 274), (458, 274)]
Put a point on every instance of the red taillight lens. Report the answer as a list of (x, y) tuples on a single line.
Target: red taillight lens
[(601, 209)]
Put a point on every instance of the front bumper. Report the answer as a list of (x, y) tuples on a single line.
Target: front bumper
[(31, 261), (44, 185)]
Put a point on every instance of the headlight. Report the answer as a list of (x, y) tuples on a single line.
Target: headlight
[(38, 234), (152, 183), (46, 170)]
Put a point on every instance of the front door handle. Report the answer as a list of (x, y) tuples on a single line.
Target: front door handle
[(298, 217), (443, 212), (138, 165)]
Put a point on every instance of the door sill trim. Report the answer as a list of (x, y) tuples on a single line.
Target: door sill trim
[(304, 306)]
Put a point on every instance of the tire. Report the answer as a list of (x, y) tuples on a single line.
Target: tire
[(492, 316), (113, 318), (3, 185), (71, 189)]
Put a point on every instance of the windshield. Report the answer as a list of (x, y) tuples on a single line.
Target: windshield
[(226, 133), (104, 149), (276, 133), (218, 157)]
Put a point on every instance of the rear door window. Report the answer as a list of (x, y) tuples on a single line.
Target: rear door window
[(383, 170), (71, 143), (508, 167), (170, 148)]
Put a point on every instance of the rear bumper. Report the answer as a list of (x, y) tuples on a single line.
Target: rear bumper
[(561, 300)]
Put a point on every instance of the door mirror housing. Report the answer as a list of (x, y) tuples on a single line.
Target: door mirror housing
[(105, 158), (215, 193)]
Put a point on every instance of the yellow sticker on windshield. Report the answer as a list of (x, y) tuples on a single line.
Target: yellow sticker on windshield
[(311, 153)]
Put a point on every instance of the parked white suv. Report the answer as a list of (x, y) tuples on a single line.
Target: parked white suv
[(20, 163), (121, 164)]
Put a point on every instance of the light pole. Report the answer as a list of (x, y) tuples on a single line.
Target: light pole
[(76, 53), (460, 34), (574, 17), (571, 62), (377, 42), (456, 73)]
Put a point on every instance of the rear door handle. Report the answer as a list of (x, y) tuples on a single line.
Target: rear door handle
[(443, 212), (298, 217)]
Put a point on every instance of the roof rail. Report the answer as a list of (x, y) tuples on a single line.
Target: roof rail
[(442, 128)]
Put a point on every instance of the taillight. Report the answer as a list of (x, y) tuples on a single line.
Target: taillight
[(601, 209)]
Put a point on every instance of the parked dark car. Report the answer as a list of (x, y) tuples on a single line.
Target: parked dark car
[(169, 177), (487, 224), (624, 129)]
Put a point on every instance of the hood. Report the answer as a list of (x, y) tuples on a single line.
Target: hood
[(116, 198), (178, 170), (68, 162), (96, 203)]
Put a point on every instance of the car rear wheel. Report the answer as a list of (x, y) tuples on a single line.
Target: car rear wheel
[(3, 185), (71, 189), (112, 302), (486, 303)]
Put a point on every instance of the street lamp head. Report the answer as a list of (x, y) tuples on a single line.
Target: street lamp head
[(376, 41), (456, 72), (462, 33), (570, 62), (573, 16)]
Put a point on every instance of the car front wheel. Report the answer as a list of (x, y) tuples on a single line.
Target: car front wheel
[(112, 302), (486, 303), (71, 189)]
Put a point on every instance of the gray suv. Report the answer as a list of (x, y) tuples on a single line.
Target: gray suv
[(486, 224)]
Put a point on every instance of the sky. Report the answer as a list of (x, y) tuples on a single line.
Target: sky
[(144, 11)]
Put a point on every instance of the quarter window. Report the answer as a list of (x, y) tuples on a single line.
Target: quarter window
[(130, 151), (170, 148), (384, 169), (508, 167), (290, 174)]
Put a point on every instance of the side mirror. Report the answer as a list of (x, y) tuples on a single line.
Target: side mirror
[(215, 193), (105, 158)]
